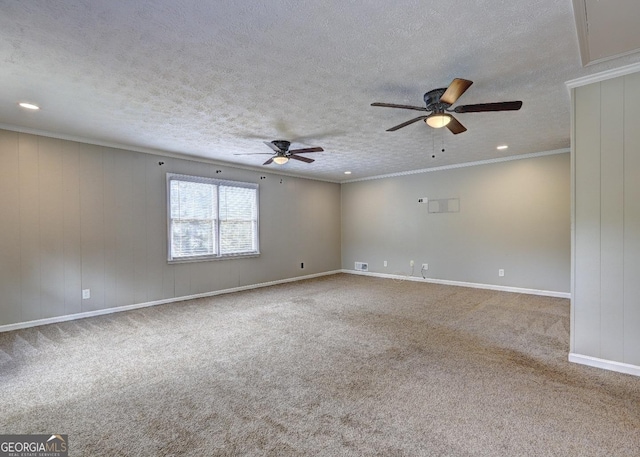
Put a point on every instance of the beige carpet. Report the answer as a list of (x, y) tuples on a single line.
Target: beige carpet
[(338, 366)]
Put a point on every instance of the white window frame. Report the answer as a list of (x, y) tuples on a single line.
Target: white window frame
[(214, 182)]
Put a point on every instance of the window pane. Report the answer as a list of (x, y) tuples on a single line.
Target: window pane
[(238, 224), (237, 237), (192, 200), (237, 203), (192, 238), (193, 212)]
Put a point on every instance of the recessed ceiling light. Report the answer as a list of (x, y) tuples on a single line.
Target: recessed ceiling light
[(347, 172), (504, 146), (29, 106)]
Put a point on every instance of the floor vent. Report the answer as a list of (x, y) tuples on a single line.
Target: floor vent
[(362, 266)]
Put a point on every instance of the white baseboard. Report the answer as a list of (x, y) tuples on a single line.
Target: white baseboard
[(101, 312), (519, 290), (118, 309), (605, 364)]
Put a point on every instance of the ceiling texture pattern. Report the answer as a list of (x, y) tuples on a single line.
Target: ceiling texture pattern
[(216, 79)]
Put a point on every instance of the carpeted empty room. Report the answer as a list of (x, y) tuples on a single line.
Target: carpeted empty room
[(338, 365)]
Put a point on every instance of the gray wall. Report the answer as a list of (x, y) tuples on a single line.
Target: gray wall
[(606, 265), (513, 215), (75, 216)]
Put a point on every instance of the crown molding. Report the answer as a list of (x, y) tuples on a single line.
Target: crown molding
[(151, 151), (603, 75), (462, 165)]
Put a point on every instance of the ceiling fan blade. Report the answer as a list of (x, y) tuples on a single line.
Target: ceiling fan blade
[(455, 90), (300, 158), (404, 124), (268, 161), (480, 107), (302, 151), (272, 146), (456, 127), (393, 105)]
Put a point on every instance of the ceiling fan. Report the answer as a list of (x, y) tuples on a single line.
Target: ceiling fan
[(283, 154), (439, 102)]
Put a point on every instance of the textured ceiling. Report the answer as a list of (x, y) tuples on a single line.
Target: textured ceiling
[(214, 79)]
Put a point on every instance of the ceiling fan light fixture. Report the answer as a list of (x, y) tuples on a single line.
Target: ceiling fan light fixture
[(281, 160), (438, 120)]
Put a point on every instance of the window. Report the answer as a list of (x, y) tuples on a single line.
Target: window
[(211, 219)]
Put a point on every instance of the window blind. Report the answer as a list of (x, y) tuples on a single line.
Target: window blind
[(210, 219)]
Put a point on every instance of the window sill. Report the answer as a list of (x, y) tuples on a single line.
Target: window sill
[(214, 258)]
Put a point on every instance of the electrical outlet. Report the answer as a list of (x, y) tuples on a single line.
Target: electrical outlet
[(411, 263), (86, 294), (425, 266), (500, 272), (385, 263)]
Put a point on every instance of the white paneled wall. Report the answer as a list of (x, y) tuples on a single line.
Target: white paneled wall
[(606, 263), (75, 216)]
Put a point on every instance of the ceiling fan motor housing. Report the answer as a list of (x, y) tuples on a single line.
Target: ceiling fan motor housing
[(283, 145), (432, 100)]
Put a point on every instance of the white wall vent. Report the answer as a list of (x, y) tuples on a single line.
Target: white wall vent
[(362, 266), (444, 205)]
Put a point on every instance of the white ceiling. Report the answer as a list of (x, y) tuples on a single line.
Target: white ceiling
[(213, 79)]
